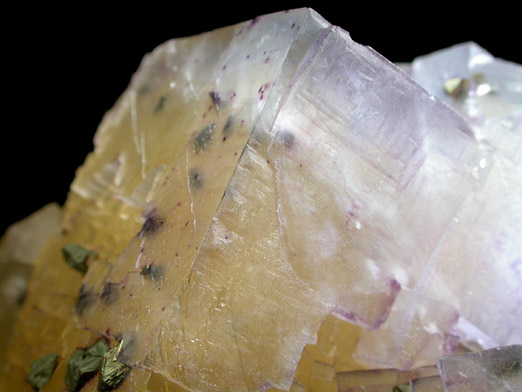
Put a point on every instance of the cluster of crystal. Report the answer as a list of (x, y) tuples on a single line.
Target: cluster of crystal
[(470, 289), (248, 185)]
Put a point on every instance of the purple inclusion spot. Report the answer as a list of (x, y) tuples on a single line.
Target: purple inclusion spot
[(395, 285), (262, 89), (267, 60), (216, 99), (253, 22), (346, 315)]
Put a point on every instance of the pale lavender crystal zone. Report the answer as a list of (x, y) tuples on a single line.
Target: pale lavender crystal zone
[(378, 150), (471, 288)]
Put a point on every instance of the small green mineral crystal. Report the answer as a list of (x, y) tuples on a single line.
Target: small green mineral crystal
[(41, 370), (76, 256), (84, 364), (113, 372)]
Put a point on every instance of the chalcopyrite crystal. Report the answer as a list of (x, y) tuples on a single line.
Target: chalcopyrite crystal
[(250, 184)]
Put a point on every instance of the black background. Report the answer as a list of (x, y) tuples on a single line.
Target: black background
[(65, 66)]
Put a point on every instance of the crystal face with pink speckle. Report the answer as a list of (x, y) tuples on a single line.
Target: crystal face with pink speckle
[(470, 291), (325, 209)]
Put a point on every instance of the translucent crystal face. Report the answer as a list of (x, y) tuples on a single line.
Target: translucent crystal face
[(310, 221), (472, 289), (250, 183), (498, 369)]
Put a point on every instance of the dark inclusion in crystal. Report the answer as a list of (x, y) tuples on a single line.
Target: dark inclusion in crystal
[(204, 138), (161, 103), (110, 293), (287, 139), (216, 99), (151, 226), (86, 298), (195, 179), (152, 272)]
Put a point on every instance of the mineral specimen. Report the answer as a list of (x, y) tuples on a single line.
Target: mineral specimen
[(41, 370), (249, 184)]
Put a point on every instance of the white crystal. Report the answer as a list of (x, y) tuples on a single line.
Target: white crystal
[(471, 288)]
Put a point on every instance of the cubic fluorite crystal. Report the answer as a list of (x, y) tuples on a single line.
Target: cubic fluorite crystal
[(249, 185), (471, 287)]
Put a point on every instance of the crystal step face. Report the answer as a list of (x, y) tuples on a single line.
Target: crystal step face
[(471, 289)]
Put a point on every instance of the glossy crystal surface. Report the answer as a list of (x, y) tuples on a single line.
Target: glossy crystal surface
[(251, 184), (470, 289)]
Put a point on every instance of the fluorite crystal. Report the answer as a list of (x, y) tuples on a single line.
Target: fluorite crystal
[(19, 247), (251, 184), (470, 289)]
